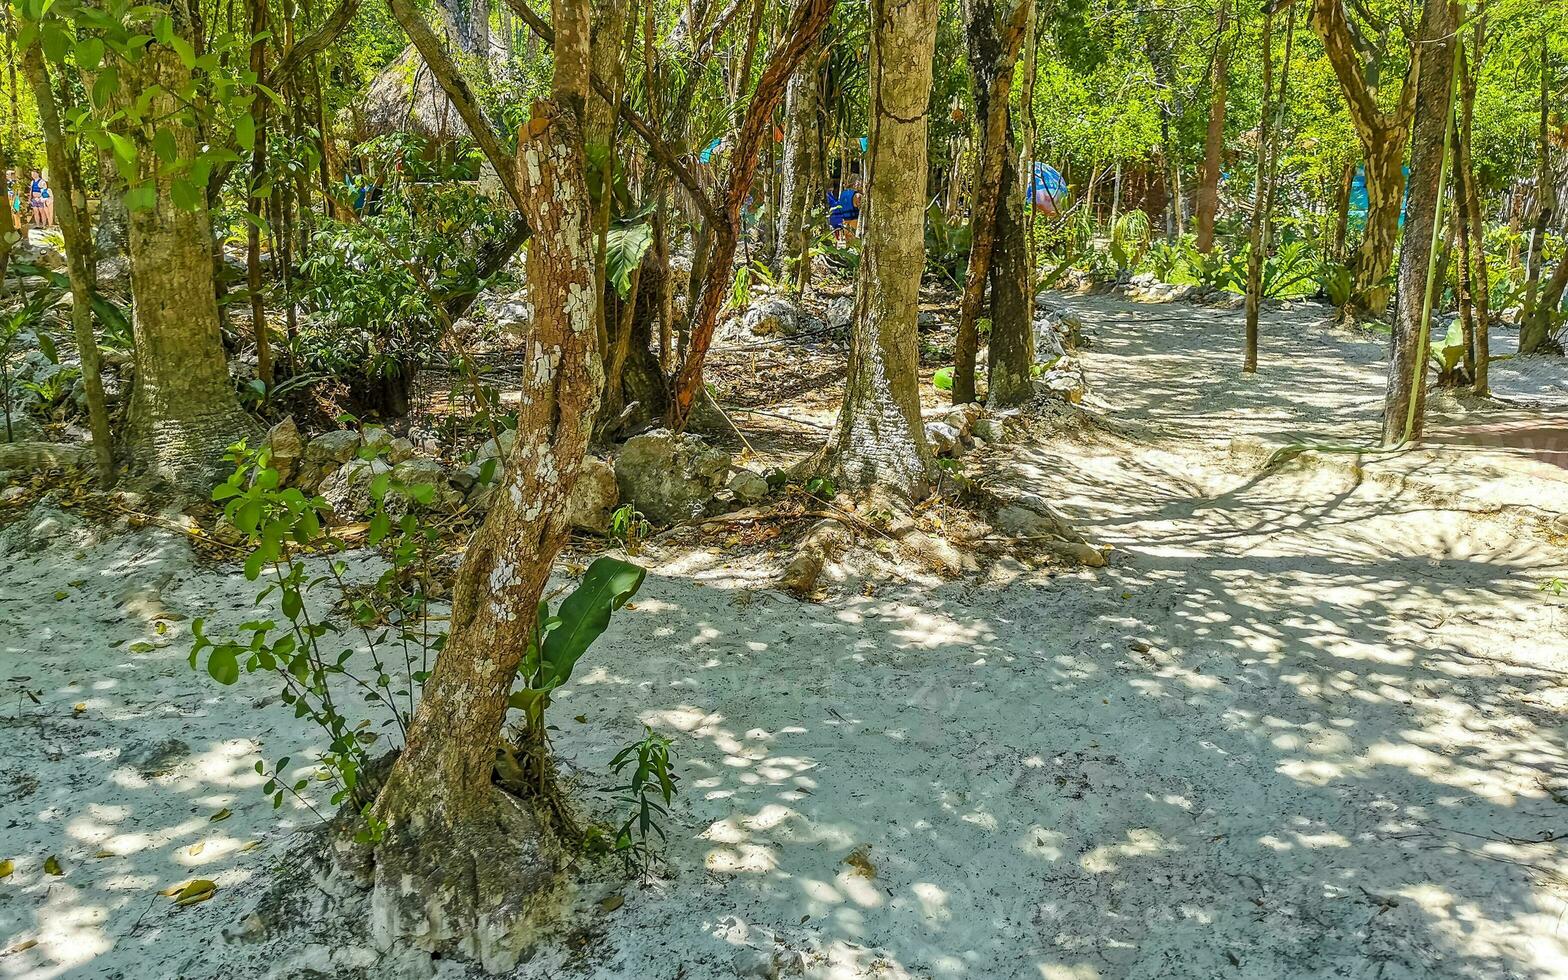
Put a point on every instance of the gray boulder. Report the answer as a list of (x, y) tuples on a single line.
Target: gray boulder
[(748, 486), (287, 447), (668, 476), (594, 497), (944, 439), (347, 489)]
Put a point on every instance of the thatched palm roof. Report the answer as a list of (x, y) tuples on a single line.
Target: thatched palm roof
[(405, 97)]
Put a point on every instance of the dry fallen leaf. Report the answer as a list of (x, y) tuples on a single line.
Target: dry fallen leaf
[(52, 865), (222, 814), (860, 860), (197, 848), (6, 867), (197, 890), (105, 853), (22, 946), (611, 903), (249, 845), (79, 707)]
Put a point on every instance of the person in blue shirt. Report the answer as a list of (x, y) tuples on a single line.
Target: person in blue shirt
[(844, 210)]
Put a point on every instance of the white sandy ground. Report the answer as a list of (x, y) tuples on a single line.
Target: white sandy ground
[(1302, 726)]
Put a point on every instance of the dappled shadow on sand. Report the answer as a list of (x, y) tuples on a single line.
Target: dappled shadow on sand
[(1294, 730), (132, 770)]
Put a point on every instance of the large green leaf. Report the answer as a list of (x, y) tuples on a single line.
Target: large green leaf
[(585, 614), (624, 247)]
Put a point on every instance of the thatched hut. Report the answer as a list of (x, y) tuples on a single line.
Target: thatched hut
[(406, 98)]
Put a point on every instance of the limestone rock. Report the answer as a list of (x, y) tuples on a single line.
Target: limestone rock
[(594, 497), (944, 439), (748, 486), (668, 476), (347, 489), (287, 447)]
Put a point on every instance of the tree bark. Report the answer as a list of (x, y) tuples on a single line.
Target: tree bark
[(805, 27), (259, 10), (184, 412), (1383, 135), (798, 197), (1404, 402), (70, 198), (1534, 329), (459, 866), (1010, 354), (1260, 208), (1480, 284), (1214, 138), (993, 51), (878, 442)]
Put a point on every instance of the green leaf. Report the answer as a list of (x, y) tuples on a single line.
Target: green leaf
[(585, 614), (245, 131), (223, 665), (89, 53), (184, 49), (624, 248)]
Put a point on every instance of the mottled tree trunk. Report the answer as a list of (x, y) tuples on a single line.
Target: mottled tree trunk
[(993, 51), (65, 174), (1010, 355), (797, 197), (1404, 402), (1534, 326), (184, 412), (878, 443), (1214, 138), (1383, 134), (462, 866)]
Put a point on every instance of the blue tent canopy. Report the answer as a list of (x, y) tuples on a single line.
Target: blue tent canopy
[(1358, 196), (706, 156)]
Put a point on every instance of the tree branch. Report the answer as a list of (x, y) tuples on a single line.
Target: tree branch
[(657, 147), (456, 88)]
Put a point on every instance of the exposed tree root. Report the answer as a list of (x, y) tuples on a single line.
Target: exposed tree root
[(481, 888)]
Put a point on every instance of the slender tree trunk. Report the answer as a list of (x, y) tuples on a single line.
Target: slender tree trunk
[(878, 443), (1010, 355), (1480, 284), (1404, 403), (1534, 326), (1214, 137), (258, 167), (184, 412), (993, 51), (65, 173), (797, 197), (1260, 208), (1342, 212), (805, 27), (460, 863)]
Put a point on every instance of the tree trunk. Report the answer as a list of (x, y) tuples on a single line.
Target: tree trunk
[(1214, 138), (1480, 284), (461, 864), (878, 442), (802, 35), (70, 199), (183, 413), (798, 198), (1533, 327), (1383, 135), (1404, 403), (1010, 355), (254, 201), (1260, 208), (1342, 212), (993, 51)]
